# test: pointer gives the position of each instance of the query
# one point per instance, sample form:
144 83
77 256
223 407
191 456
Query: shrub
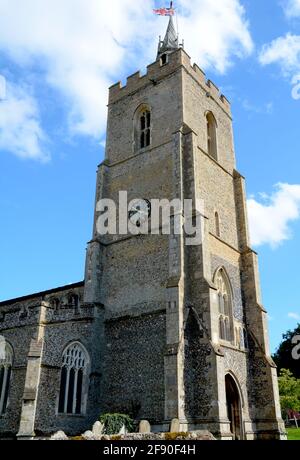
114 422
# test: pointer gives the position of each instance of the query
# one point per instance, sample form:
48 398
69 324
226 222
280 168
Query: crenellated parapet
61 304
158 70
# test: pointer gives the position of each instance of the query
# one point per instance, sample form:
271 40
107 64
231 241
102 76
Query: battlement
159 70
62 304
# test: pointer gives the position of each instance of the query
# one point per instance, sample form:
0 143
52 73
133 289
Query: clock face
139 212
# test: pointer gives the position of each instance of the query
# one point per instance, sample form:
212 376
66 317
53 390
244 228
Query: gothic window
224 306
145 127
217 224
211 135
74 380
6 361
142 128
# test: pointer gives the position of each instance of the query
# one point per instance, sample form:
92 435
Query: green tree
289 390
283 356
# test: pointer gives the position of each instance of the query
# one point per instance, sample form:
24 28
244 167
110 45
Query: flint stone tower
159 329
184 333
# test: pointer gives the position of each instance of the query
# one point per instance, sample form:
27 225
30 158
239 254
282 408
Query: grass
293 434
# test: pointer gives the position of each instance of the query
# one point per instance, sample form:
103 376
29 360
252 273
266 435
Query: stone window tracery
142 127
6 361
74 380
224 306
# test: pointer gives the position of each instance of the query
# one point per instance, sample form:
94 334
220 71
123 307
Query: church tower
183 332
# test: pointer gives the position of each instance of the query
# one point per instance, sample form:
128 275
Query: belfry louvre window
211 123
145 129
6 362
74 378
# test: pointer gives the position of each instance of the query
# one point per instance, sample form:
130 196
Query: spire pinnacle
170 42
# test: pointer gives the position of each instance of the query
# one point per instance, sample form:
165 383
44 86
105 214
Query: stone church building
158 329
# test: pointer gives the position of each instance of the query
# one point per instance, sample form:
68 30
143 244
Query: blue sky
57 60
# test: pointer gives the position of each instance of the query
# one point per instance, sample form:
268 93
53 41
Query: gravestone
59 436
98 428
175 426
144 426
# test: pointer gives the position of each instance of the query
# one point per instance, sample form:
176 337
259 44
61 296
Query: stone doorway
234 412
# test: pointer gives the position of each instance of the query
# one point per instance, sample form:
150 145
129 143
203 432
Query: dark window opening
62 393
145 123
164 59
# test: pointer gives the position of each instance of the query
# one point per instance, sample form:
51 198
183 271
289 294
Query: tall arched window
225 306
74 380
142 128
212 149
145 127
217 224
6 361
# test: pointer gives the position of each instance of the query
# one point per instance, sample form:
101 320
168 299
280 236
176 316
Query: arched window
74 380
224 306
73 300
55 303
164 59
217 224
6 361
212 149
142 128
145 127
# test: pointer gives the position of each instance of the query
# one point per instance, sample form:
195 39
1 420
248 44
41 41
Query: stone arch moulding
77 342
236 381
210 112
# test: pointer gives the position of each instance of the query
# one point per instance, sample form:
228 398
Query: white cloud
294 316
270 218
214 32
292 8
284 51
20 130
82 46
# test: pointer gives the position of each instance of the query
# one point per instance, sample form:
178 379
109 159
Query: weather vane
165 11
